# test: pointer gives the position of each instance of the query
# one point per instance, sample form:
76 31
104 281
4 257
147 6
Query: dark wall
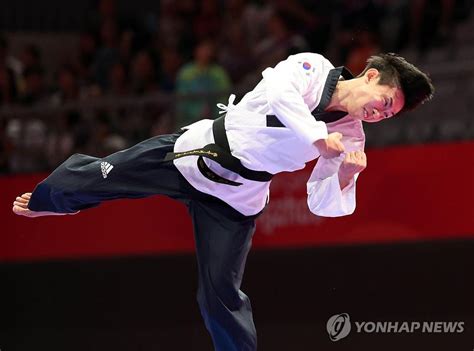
58 15
148 303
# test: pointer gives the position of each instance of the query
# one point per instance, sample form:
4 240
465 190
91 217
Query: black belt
219 152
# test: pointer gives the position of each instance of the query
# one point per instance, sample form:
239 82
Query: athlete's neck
341 95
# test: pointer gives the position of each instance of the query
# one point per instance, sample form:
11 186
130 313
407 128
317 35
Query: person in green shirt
199 85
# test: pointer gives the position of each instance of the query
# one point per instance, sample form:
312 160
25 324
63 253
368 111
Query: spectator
201 79
249 17
187 12
67 86
61 138
171 26
30 57
431 23
356 16
5 147
311 19
171 62
27 140
234 53
395 19
280 42
365 46
31 67
118 80
207 22
34 91
126 45
108 53
104 10
143 73
85 57
8 90
10 74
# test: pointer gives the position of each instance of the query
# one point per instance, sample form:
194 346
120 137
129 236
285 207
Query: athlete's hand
354 162
330 147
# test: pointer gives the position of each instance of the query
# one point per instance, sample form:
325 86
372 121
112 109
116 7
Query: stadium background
98 76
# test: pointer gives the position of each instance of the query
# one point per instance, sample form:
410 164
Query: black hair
396 71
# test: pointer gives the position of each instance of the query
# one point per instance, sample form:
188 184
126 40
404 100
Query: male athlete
302 109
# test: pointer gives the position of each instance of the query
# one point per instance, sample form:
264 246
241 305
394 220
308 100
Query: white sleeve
325 197
286 84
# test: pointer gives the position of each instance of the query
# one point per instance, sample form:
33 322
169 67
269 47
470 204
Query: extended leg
83 181
223 240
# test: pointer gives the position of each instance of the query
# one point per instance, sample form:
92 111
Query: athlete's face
373 102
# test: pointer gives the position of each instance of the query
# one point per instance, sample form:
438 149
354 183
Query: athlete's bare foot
20 207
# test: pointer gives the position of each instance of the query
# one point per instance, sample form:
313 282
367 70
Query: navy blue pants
223 235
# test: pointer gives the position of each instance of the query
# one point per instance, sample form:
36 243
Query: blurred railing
40 137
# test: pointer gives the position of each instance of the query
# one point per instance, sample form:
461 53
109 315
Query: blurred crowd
188 48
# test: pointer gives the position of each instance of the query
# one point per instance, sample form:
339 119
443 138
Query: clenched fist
330 147
354 162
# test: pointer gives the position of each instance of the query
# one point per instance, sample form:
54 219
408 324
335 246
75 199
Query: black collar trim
329 86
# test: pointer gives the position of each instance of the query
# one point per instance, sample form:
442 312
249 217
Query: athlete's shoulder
312 57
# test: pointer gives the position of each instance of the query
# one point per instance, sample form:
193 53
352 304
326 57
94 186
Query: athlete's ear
371 74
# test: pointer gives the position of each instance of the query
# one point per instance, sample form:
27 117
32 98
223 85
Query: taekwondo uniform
222 169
